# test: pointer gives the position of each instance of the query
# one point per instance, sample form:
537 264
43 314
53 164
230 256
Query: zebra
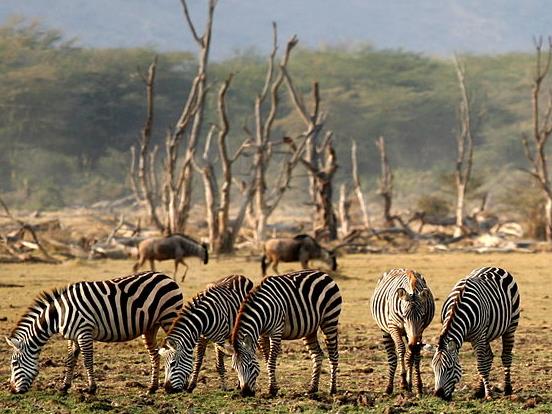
176 247
209 316
482 307
289 306
403 306
114 310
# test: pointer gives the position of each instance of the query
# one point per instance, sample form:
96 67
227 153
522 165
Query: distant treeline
69 114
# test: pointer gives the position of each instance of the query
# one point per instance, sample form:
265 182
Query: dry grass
122 369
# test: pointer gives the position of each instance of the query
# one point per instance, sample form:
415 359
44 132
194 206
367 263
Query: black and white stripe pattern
481 307
108 311
291 306
403 307
207 317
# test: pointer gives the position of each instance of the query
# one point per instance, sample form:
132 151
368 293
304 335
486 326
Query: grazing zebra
108 311
481 307
300 248
403 306
207 317
175 247
290 306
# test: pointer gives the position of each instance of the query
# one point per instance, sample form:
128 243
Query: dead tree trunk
464 141
358 189
535 147
385 183
344 211
146 175
263 203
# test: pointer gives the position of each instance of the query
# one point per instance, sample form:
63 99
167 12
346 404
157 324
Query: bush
433 205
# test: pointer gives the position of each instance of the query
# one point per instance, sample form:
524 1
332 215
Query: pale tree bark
344 211
357 187
265 113
535 146
464 141
385 183
145 186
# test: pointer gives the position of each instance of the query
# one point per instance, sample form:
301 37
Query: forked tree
464 142
534 143
173 185
385 189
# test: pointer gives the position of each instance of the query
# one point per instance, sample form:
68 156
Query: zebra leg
199 354
86 345
330 337
391 360
220 365
73 352
507 346
401 351
275 347
413 363
151 345
264 343
484 356
317 356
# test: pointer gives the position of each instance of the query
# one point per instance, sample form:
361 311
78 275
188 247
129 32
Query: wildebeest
300 248
174 247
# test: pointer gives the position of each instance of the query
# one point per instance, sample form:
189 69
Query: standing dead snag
358 189
175 186
535 147
217 199
385 183
146 192
464 140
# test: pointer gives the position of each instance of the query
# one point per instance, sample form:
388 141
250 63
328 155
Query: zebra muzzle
441 394
247 392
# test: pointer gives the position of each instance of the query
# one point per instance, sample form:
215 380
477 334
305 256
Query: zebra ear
425 293
14 343
170 344
403 294
451 346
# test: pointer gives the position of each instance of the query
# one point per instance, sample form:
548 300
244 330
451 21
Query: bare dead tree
265 111
344 211
217 198
175 186
385 183
464 142
145 191
535 146
357 187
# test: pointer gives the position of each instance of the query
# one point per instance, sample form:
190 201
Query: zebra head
447 369
24 366
178 365
414 310
244 361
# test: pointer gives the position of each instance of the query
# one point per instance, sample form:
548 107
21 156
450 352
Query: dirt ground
122 369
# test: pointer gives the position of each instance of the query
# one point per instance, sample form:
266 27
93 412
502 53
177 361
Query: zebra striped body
291 306
403 307
174 247
208 317
108 311
481 307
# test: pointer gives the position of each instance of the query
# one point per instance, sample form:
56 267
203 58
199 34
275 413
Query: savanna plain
122 368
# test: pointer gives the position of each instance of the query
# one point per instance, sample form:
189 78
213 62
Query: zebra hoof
508 390
273 391
479 393
65 388
389 390
191 387
152 390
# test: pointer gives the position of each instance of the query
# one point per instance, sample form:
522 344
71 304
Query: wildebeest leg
185 270
151 345
275 266
152 265
73 352
304 259
139 263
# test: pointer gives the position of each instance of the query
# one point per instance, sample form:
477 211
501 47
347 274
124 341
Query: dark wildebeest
175 247
301 248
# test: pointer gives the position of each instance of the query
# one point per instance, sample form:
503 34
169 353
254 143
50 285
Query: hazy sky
429 26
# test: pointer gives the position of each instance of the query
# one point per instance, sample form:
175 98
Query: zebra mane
451 313
243 307
41 301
